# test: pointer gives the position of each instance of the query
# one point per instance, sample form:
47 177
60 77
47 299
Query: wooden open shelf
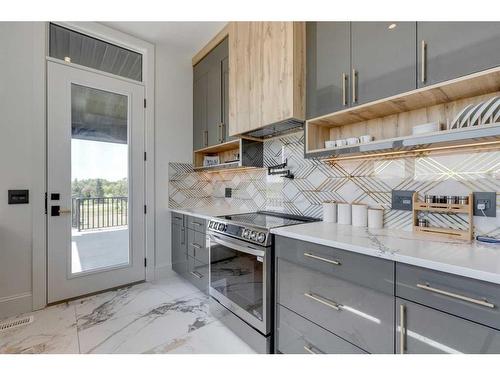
392 119
445 209
239 153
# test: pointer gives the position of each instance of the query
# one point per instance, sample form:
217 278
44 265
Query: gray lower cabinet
328 65
179 244
383 60
429 331
189 250
448 50
359 315
296 335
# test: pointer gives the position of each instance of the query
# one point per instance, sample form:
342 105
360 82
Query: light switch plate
228 192
402 200
489 199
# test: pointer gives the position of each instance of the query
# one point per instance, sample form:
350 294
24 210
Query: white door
95 182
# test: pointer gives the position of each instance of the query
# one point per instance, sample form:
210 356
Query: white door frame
108 34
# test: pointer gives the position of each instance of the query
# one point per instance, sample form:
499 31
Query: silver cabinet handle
205 135
195 245
195 223
331 261
323 300
223 132
457 296
311 349
344 88
183 239
354 96
402 326
423 47
196 274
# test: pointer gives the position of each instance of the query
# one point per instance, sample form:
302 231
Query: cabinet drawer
363 270
197 274
197 224
429 331
296 335
360 315
177 219
196 246
472 299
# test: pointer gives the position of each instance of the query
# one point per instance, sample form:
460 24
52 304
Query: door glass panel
99 179
239 277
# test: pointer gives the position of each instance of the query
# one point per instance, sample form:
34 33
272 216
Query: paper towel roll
375 218
359 215
344 213
330 212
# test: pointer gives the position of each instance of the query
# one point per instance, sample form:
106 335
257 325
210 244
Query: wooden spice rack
444 208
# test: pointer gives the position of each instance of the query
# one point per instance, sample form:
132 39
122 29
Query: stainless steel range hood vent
276 129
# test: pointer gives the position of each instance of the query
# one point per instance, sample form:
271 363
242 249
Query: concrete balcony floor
99 248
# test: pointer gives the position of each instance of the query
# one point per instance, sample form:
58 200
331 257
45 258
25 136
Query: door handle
423 47
57 211
402 329
354 95
344 89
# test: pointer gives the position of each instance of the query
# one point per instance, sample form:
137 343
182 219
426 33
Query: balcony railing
95 213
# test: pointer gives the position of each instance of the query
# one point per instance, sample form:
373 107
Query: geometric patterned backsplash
367 181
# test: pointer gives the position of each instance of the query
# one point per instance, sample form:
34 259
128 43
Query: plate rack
444 208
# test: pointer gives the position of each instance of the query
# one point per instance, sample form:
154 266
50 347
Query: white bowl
426 128
329 144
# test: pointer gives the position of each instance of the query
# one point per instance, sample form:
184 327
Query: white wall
173 134
21 142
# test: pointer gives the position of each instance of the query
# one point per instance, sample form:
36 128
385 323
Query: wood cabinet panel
266 74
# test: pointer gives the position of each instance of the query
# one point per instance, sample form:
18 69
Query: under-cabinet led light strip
496 144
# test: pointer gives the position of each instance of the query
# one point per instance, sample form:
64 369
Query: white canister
344 213
375 218
359 215
330 212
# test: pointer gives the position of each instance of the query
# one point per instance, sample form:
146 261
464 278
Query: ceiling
189 35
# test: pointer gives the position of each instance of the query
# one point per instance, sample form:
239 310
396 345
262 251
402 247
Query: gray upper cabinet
208 98
328 66
383 60
200 112
225 100
448 50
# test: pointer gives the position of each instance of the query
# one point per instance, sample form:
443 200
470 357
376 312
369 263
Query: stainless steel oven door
239 279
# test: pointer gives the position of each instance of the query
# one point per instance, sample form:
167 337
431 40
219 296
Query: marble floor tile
214 338
52 331
175 286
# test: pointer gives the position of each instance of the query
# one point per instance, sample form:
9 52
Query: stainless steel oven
240 279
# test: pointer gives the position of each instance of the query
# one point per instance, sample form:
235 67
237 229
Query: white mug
366 138
352 141
341 142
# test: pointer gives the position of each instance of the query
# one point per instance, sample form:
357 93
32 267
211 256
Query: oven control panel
245 233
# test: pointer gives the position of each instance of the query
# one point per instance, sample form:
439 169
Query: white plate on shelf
491 111
458 118
465 120
476 119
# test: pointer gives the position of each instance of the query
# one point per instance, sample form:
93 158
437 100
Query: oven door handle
233 245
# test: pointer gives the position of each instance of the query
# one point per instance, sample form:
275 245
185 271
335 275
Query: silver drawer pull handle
323 300
178 218
331 261
196 274
457 296
196 245
311 349
195 223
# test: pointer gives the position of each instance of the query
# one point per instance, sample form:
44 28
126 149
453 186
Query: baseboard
16 304
163 271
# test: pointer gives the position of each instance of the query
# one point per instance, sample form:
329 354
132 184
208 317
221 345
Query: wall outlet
228 193
485 204
402 200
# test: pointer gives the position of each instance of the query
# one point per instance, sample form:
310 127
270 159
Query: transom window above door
77 48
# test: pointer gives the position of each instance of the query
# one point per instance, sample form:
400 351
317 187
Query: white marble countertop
475 260
209 212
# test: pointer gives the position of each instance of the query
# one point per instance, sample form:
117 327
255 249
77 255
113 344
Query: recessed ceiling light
67 59
392 26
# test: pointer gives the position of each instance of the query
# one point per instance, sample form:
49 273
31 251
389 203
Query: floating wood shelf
238 153
390 121
444 208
